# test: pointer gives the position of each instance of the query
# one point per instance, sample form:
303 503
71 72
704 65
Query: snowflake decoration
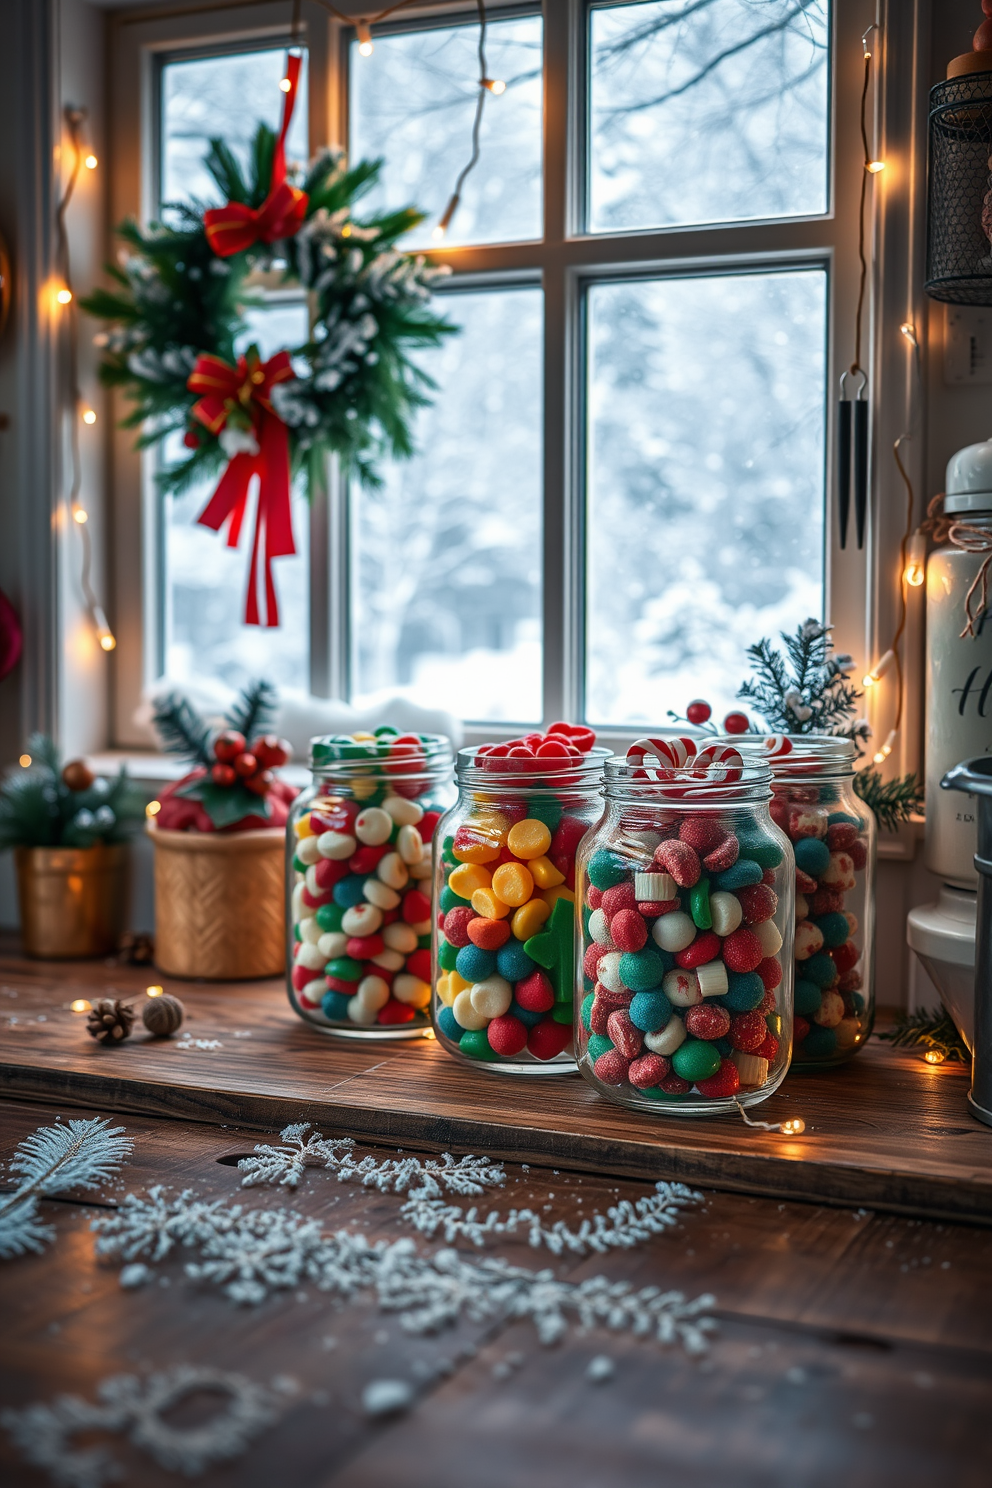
285 1166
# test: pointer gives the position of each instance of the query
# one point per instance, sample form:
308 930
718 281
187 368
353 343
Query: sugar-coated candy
513 962
606 869
455 926
742 950
628 930
809 940
673 932
535 993
839 872
723 856
621 896
594 953
705 947
831 1010
725 1082
748 1031
648 1070
639 971
758 903
680 861
492 997
599 927
745 991
548 1039
507 1035
745 871
611 1067
701 832
623 1033
666 1040
608 972
706 1021
650 1011
770 971
681 988
819 1042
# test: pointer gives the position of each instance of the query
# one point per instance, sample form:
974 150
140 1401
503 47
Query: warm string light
882 754
91 162
793 1128
89 416
80 1005
874 166
934 1056
915 571
153 808
878 671
24 761
154 991
64 296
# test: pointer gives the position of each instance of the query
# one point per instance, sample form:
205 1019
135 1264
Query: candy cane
777 745
717 762
671 754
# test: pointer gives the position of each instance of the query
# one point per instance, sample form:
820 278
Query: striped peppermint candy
777 745
718 762
671 754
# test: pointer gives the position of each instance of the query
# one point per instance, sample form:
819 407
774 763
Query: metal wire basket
959 206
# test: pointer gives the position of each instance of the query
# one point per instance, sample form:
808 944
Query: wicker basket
72 899
220 907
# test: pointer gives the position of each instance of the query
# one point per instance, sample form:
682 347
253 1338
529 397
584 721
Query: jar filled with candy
359 880
686 886
504 946
833 837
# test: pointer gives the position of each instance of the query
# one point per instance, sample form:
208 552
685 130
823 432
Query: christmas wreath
177 318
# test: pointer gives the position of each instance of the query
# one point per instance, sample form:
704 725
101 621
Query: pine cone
110 1020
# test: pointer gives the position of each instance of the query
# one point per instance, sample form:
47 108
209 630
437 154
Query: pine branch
54 1159
892 801
180 728
255 708
930 1028
805 691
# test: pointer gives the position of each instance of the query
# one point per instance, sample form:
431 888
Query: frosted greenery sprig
54 1159
422 1179
807 690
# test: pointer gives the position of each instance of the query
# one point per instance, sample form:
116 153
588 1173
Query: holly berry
245 764
271 751
228 745
699 711
736 723
222 774
191 439
77 775
259 783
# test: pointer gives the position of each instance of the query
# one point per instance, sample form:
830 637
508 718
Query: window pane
707 111
413 102
206 98
706 483
447 556
204 581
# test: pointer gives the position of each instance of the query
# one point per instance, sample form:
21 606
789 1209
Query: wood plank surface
886 1131
851 1346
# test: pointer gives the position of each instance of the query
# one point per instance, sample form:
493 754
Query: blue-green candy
527 1017
808 997
834 928
760 849
344 969
812 855
819 969
334 1005
513 962
547 809
449 1025
843 816
607 869
450 900
745 990
695 1060
744 872
447 955
819 1043
475 964
641 970
587 1003
350 891
650 1011
598 1045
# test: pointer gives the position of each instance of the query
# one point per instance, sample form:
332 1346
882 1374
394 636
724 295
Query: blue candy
350 891
650 1011
760 849
334 1005
745 990
644 969
449 1025
812 855
808 998
834 928
819 969
819 1043
529 1018
587 1003
744 872
512 962
475 964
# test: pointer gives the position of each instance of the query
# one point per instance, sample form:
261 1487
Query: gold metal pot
220 903
73 900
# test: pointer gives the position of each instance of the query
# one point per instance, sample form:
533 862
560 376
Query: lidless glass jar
359 882
504 899
686 943
832 833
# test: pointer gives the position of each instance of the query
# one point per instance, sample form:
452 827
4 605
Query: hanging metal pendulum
852 456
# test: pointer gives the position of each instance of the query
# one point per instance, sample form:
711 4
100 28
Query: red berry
705 947
228 745
244 763
271 751
625 1036
535 993
699 711
222 774
488 935
758 902
507 1035
628 930
723 856
395 1012
191 439
621 896
649 1070
611 1067
680 861
674 1084
736 723
705 1021
416 907
547 1039
769 969
726 1081
748 1032
456 923
702 832
260 783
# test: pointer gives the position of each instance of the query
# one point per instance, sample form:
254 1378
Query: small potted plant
219 836
69 830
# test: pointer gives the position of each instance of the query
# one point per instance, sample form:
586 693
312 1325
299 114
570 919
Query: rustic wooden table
854 1343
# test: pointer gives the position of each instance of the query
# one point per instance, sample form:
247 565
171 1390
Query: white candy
338 845
830 1011
371 995
403 812
608 972
301 911
361 919
313 993
712 979
839 872
334 943
307 850
599 928
393 871
400 937
654 888
673 932
389 960
681 987
424 868
667 1039
465 1013
422 927
379 894
752 1069
802 907
373 826
310 931
409 845
809 940
768 934
725 912
412 990
310 881
852 922
490 998
310 956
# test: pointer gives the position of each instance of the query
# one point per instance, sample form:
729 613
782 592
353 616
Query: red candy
367 859
705 947
680 861
594 897
704 1021
800 1028
616 899
535 993
726 1081
748 1032
507 1035
841 836
625 1036
364 947
428 824
567 836
701 832
769 1049
805 883
858 853
653 909
456 923
416 907
395 1012
328 872
548 1038
742 950
758 902
723 856
845 957
594 953
575 733
736 723
418 963
488 935
779 812
850 982
314 901
649 1070
674 1084
769 968
301 976
826 901
628 930
610 1067
767 1004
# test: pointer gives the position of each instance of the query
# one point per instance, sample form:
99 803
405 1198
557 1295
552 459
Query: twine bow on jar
970 539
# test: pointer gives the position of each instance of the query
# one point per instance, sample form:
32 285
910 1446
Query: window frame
860 594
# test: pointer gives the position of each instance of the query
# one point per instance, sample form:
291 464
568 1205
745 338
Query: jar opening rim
568 774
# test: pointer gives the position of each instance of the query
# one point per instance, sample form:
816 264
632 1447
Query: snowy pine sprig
807 690
422 1179
623 1226
54 1159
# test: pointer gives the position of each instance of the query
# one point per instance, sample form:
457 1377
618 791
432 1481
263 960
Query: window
623 479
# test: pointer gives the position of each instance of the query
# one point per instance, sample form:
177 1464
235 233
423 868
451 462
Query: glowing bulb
91 162
24 761
438 233
496 86
915 571
346 230
285 84
886 748
153 808
909 331
364 38
793 1128
154 991
80 515
80 1005
874 166
64 296
366 48
108 640
879 670
933 1056
445 221
89 417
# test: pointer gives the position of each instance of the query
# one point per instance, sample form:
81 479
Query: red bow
234 228
247 387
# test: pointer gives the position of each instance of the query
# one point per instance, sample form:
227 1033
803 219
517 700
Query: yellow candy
362 789
529 839
303 827
551 896
491 824
529 919
485 850
544 873
363 738
513 884
444 991
485 903
468 877
457 983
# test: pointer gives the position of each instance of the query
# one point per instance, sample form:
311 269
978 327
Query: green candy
424 942
553 947
762 850
587 1003
562 1012
475 1043
329 917
653 1093
695 1060
607 869
808 998
773 1022
641 970
447 955
547 809
450 900
300 867
834 929
819 969
819 1043
598 1045
699 905
345 968
385 731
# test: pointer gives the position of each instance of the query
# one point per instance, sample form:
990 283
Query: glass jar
686 941
833 834
358 868
504 886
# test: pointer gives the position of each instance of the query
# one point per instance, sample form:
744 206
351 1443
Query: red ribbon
247 387
234 228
